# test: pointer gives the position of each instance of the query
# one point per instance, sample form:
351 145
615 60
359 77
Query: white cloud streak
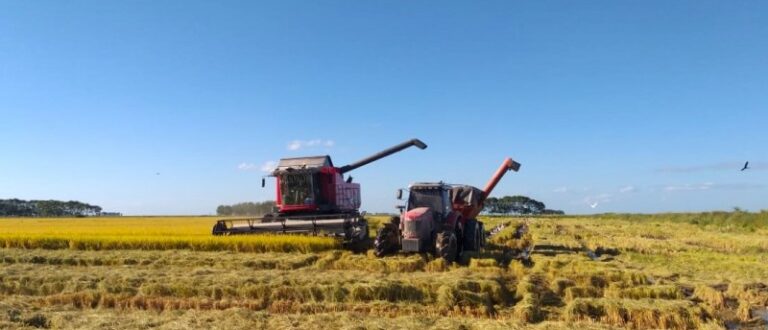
597 199
725 166
627 189
712 186
267 167
301 144
246 166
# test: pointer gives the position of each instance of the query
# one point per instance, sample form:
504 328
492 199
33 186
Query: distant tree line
521 205
247 208
47 208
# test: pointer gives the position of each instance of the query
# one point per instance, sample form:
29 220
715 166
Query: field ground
613 271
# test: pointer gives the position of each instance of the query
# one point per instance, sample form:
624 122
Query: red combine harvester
313 198
439 218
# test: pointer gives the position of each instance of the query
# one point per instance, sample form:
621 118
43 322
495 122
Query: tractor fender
453 221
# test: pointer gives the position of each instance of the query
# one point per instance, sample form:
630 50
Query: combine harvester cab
440 218
313 198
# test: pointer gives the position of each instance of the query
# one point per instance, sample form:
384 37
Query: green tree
246 209
518 204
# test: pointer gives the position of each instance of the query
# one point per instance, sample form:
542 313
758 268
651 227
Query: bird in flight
746 166
593 205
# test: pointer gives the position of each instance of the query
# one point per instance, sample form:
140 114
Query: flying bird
746 166
593 205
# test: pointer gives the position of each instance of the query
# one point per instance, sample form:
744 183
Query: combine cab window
297 189
431 198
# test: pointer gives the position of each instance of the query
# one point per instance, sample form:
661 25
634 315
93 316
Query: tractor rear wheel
447 246
386 241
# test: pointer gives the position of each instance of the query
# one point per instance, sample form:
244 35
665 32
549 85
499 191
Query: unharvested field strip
260 243
145 233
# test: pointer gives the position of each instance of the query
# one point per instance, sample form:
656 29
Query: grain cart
313 198
439 218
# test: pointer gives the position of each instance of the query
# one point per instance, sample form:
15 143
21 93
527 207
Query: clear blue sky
638 106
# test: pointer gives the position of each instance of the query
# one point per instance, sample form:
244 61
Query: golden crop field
603 272
144 233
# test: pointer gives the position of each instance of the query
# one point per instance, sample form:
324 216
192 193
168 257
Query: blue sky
638 106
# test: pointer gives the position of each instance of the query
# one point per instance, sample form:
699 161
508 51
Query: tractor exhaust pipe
413 142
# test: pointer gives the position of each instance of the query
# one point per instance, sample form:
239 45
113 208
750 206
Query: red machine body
313 197
471 208
321 189
441 218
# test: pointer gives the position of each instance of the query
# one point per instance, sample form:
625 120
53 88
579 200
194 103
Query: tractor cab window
431 198
297 189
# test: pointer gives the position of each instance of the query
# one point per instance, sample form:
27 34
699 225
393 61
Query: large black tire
359 240
481 232
387 241
219 229
269 217
447 246
395 221
474 235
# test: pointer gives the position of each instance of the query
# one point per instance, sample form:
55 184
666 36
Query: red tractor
313 198
439 218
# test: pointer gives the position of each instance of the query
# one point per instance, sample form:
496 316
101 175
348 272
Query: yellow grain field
144 233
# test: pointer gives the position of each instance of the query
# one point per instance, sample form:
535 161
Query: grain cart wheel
481 232
386 241
472 235
447 246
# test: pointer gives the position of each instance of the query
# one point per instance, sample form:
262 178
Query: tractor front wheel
386 241
447 246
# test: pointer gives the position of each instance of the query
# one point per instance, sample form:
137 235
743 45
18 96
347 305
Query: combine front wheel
357 237
219 228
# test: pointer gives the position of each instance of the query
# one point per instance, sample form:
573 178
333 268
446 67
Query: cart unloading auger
313 198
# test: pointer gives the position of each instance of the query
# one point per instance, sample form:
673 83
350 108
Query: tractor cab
434 196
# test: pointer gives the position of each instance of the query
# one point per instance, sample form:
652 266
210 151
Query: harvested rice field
675 271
